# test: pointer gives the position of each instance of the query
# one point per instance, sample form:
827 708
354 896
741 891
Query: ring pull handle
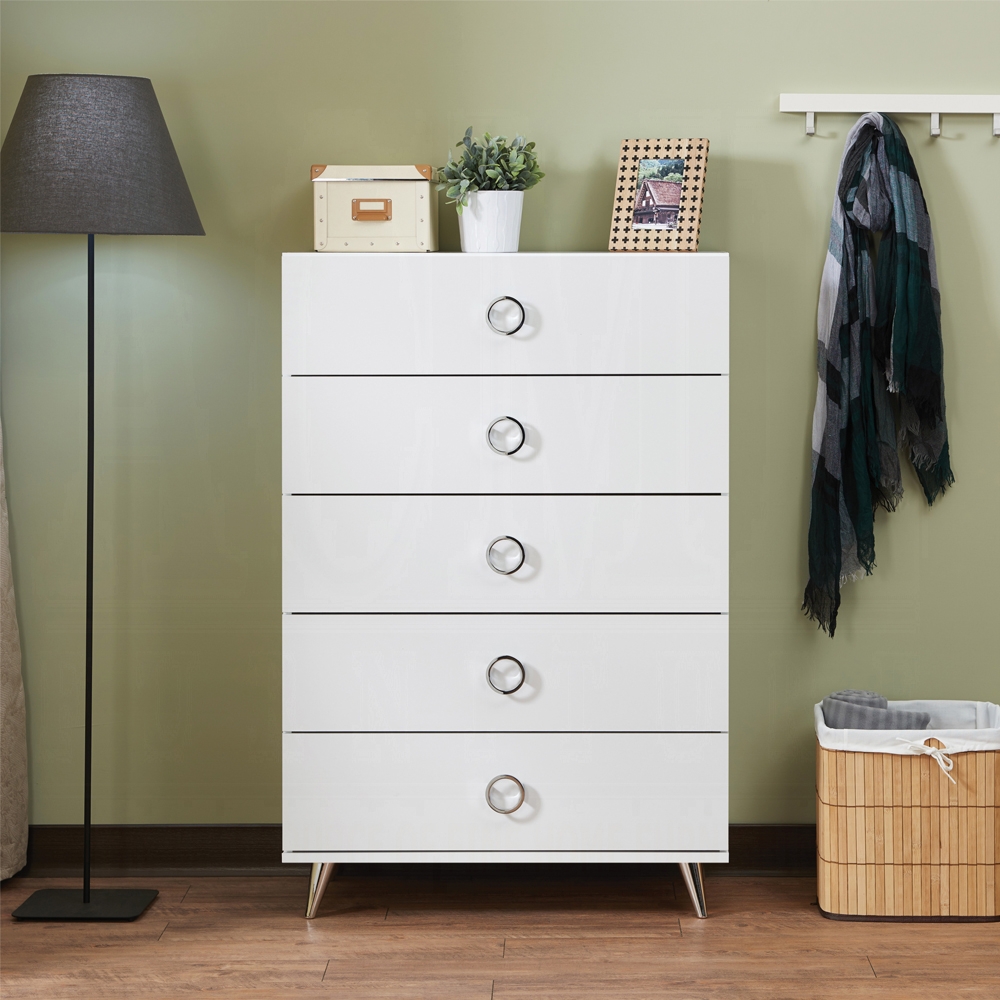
500 440
504 687
491 798
505 555
505 315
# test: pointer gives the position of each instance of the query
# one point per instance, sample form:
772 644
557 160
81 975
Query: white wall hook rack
933 105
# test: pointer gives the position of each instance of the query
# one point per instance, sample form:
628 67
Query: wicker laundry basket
897 840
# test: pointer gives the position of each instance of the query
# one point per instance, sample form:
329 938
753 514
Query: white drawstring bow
938 753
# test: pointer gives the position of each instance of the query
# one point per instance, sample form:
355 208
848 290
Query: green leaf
495 164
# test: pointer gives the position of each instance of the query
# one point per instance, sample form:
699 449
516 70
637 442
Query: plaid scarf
880 361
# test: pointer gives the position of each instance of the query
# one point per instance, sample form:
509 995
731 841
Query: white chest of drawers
555 618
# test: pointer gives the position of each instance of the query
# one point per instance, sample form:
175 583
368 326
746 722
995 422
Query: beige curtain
13 742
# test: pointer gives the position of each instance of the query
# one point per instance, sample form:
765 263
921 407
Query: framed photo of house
658 194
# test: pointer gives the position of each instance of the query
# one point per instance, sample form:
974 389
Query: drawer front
582 792
389 314
581 434
428 673
581 553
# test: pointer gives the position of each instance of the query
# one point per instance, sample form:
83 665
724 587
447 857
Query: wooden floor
491 933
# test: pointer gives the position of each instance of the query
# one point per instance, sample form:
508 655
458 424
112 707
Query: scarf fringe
821 606
858 574
887 496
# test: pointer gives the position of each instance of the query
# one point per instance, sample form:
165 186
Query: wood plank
412 949
842 834
955 788
825 843
524 931
916 890
878 834
868 822
932 964
823 869
569 956
108 975
380 984
893 818
595 917
652 987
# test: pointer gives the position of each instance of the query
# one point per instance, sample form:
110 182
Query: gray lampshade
92 154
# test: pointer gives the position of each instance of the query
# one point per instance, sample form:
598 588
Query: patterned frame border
685 237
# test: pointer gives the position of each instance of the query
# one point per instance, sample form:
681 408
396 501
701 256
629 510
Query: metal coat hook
933 105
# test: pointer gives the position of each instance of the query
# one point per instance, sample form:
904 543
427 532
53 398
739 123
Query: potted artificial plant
487 186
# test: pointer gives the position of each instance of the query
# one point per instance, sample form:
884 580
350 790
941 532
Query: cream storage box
359 209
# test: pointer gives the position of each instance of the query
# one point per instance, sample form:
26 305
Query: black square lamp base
68 904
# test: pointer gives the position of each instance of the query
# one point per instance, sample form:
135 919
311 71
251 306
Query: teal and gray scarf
880 361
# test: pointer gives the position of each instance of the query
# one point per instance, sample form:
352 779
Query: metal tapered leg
319 879
695 886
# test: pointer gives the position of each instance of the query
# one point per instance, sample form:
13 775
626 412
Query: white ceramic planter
491 222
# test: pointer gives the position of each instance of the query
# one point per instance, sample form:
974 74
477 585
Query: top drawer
597 314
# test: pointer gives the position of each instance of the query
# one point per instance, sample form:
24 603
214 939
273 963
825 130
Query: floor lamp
91 154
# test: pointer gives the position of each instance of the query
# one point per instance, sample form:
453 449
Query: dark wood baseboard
255 849
185 850
770 849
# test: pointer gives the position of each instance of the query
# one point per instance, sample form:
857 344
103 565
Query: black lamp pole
91 154
88 697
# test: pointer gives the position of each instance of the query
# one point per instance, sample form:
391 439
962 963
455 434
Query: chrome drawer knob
503 790
505 555
506 435
505 315
505 674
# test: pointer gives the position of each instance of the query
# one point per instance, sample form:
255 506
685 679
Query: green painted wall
188 539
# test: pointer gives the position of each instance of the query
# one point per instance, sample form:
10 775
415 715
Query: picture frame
658 195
